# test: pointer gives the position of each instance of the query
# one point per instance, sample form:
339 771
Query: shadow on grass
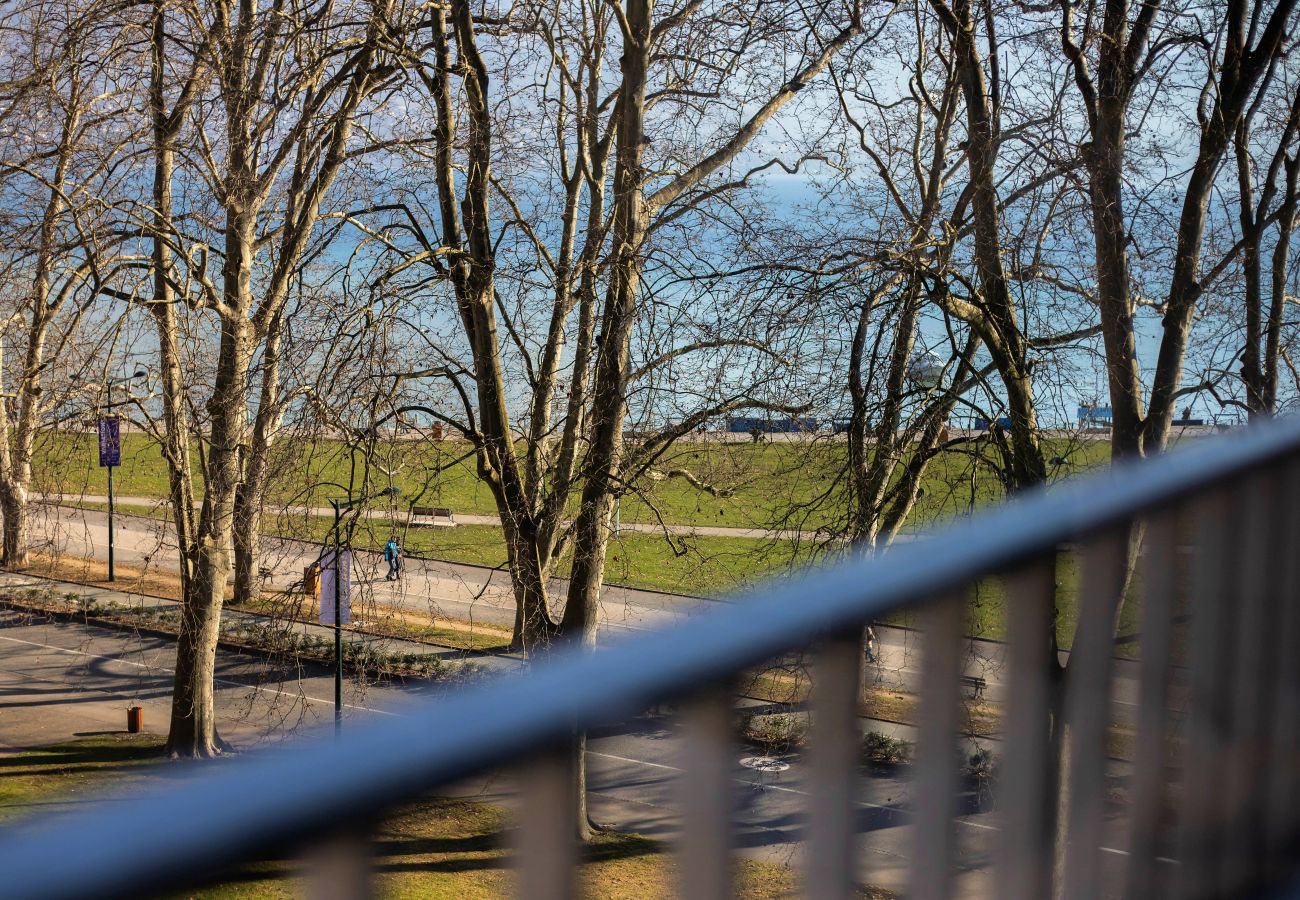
615 846
98 752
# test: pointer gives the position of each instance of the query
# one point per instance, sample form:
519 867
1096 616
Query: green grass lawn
432 848
765 478
786 484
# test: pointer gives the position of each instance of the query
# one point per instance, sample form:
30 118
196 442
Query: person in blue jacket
393 554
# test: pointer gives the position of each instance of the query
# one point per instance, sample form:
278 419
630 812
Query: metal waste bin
311 581
135 719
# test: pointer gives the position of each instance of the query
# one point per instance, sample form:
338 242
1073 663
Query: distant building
1096 416
763 425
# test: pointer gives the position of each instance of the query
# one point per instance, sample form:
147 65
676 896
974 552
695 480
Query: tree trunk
193 724
13 504
609 387
256 471
1105 161
248 547
193 731
1279 278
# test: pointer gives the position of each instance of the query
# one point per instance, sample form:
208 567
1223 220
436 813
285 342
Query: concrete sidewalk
465 518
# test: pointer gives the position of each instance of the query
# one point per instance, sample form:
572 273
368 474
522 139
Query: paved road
478 594
58 680
438 588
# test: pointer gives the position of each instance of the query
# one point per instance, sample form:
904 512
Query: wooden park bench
976 685
432 515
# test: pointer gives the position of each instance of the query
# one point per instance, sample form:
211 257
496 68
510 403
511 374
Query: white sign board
327 582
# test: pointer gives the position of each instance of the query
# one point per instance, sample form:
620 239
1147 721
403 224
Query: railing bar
1087 708
547 832
833 760
935 773
1023 873
1252 685
1282 814
1213 587
1159 587
339 869
706 795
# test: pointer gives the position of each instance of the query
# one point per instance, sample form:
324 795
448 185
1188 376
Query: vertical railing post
1159 587
339 869
706 796
935 787
1282 813
1087 708
1214 585
1252 679
1024 863
834 753
548 829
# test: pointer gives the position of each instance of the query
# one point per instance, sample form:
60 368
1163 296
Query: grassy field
765 479
779 483
433 848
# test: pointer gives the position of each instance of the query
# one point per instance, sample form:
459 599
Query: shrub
980 765
774 732
882 749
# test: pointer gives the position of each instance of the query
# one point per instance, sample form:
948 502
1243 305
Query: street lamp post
339 506
139 373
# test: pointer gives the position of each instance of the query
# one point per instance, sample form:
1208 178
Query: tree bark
193 723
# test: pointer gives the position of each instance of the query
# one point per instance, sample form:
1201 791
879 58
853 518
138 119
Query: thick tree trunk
1105 160
193 731
193 723
256 471
609 385
247 540
13 505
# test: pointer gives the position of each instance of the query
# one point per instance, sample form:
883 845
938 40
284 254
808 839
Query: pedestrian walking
393 554
871 645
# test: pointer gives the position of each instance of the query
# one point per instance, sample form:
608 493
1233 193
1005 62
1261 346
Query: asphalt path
477 519
59 679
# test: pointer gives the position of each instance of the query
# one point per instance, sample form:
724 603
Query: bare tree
58 174
284 88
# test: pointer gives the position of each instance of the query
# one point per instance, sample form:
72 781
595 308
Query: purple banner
327 574
110 441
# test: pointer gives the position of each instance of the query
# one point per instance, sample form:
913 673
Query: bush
774 732
980 766
884 750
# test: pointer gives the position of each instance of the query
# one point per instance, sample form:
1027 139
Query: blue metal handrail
175 834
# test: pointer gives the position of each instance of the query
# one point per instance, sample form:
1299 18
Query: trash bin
135 719
311 581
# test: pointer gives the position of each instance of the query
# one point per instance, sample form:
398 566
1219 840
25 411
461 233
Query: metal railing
1212 789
